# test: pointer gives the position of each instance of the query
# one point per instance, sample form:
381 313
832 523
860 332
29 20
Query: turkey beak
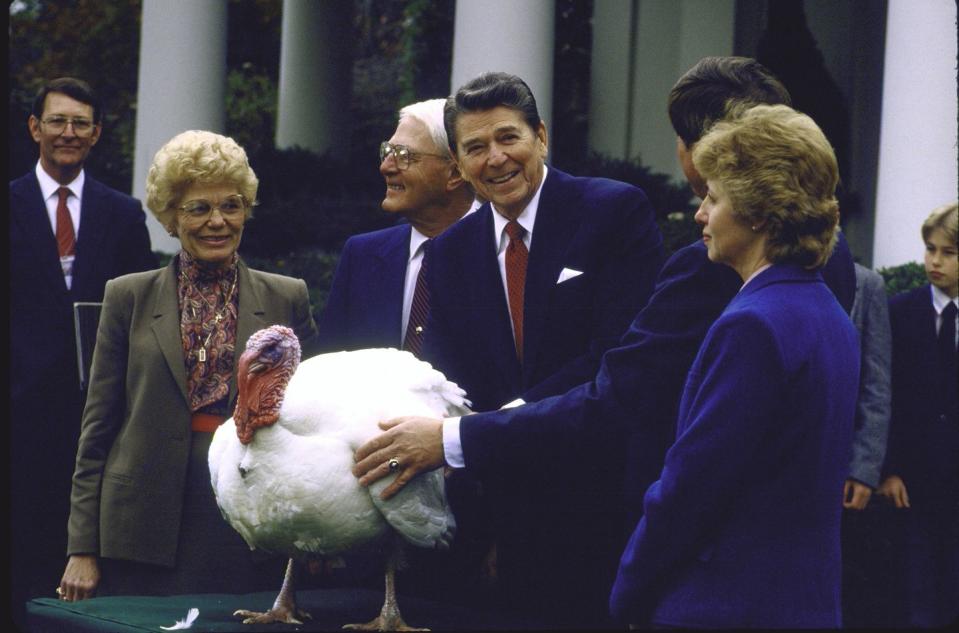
256 367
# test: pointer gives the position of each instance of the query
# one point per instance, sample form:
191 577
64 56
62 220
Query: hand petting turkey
409 446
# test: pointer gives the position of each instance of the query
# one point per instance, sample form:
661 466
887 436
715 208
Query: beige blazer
135 436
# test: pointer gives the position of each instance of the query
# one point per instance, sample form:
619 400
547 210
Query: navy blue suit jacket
603 228
44 381
113 241
618 426
923 436
742 528
365 305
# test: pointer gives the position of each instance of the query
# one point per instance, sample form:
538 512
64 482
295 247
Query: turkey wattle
282 475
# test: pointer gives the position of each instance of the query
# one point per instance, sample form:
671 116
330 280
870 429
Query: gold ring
59 591
393 464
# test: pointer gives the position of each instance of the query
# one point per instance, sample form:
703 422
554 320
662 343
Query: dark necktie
66 241
516 258
947 360
419 308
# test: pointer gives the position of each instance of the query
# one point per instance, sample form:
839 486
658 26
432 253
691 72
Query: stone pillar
611 77
509 36
315 75
640 48
917 145
182 84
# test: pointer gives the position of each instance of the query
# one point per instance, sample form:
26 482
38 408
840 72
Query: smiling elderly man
377 297
526 295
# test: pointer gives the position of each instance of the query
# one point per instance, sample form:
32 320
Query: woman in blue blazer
742 528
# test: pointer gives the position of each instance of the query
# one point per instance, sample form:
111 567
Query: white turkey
281 473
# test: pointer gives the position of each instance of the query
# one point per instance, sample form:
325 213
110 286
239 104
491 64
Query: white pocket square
568 273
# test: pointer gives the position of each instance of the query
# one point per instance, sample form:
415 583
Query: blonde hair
781 173
192 157
946 218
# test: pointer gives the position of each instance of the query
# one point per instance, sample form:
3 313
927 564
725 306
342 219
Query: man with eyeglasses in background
374 301
69 235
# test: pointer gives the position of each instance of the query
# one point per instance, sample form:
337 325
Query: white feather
185 623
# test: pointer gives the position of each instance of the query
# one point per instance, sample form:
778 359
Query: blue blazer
923 438
365 305
616 427
604 228
742 528
112 241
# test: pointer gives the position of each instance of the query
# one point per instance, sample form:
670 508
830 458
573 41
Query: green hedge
904 277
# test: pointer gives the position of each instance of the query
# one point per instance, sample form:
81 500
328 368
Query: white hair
430 114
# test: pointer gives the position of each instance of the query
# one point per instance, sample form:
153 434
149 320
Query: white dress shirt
48 188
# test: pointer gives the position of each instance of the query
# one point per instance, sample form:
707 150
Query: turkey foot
283 615
284 607
389 618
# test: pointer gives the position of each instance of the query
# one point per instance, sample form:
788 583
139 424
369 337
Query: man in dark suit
589 254
69 234
591 251
372 295
626 414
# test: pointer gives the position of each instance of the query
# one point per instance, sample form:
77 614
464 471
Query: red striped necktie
516 257
66 240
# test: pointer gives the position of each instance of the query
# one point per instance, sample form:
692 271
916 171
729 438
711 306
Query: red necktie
65 237
516 256
419 308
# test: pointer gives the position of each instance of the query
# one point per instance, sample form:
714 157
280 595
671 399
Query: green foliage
251 99
95 41
314 266
904 277
426 46
672 203
311 201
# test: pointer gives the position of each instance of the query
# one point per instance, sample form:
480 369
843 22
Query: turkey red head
263 371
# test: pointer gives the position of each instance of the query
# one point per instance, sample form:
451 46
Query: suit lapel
388 281
92 229
925 318
489 286
31 216
554 228
166 327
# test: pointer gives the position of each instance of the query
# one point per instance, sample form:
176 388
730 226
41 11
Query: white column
315 75
182 83
671 37
611 77
917 145
508 36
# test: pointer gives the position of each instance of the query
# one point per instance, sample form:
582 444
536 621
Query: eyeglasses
58 124
403 154
230 207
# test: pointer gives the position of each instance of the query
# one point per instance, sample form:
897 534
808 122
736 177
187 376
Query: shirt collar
526 219
417 240
49 186
940 299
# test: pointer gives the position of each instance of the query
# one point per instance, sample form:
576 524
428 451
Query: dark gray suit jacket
870 315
